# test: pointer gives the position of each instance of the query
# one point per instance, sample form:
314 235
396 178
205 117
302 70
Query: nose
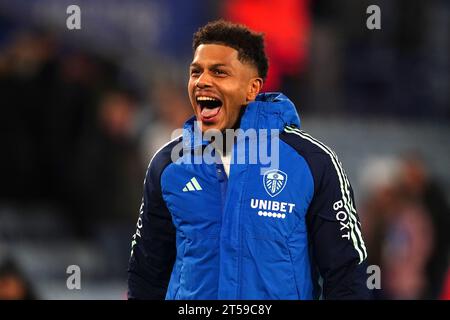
203 81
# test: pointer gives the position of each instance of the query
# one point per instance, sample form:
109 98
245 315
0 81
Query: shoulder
307 146
322 160
161 159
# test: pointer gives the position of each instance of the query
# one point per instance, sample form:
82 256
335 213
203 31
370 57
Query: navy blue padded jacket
291 232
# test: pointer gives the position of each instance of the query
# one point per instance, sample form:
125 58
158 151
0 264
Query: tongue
209 113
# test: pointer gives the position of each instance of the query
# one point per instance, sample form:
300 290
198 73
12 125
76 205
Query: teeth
206 99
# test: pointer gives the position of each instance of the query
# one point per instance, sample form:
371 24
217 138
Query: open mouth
209 107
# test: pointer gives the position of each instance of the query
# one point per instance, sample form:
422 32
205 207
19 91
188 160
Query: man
226 231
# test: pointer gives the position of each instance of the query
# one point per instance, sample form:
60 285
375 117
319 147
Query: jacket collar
272 110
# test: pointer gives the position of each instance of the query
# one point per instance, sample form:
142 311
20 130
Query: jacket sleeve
153 245
336 243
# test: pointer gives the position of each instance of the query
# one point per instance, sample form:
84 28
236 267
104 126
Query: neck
229 140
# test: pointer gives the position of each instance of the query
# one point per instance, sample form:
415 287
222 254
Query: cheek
237 94
239 99
189 87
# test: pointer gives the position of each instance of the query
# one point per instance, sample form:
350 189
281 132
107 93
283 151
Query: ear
254 87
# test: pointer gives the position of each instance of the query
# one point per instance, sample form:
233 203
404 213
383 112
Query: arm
153 246
337 247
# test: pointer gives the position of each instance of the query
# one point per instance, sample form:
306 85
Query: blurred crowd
405 220
79 125
74 133
68 131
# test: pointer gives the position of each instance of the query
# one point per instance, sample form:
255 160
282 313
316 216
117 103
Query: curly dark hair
249 44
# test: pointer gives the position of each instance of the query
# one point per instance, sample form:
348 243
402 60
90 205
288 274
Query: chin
206 127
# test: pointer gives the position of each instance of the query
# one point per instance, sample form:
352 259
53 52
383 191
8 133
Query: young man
221 231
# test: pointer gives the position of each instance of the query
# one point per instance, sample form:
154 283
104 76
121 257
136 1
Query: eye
219 72
195 72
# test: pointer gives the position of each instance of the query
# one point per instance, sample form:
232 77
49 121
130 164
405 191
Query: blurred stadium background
82 112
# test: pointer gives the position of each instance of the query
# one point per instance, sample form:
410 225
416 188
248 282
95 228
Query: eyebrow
194 64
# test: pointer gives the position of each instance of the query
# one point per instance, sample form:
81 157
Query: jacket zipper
223 183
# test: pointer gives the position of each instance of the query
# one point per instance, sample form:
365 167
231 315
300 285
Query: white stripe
157 151
345 178
347 187
347 184
196 184
348 204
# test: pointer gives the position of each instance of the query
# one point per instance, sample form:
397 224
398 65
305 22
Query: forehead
208 54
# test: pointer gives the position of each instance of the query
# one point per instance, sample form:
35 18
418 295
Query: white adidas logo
192 185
